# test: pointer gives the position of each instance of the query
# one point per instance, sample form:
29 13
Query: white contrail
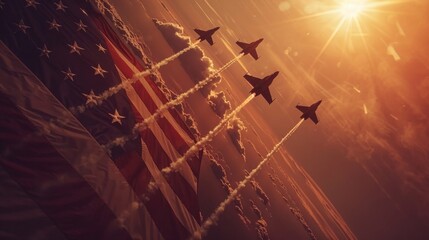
120 141
143 125
213 218
169 59
175 166
128 82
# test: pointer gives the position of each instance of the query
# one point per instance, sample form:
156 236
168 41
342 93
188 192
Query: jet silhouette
250 48
206 35
260 86
309 112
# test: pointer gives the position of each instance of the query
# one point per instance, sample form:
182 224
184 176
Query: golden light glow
348 13
351 10
351 21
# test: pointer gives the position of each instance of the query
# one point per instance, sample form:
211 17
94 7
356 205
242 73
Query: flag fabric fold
56 55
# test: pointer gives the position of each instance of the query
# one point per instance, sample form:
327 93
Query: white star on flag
54 25
101 48
99 70
75 48
31 3
91 98
60 6
116 117
81 26
45 51
21 25
68 74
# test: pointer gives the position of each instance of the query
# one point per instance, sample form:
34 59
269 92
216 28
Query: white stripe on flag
154 97
169 149
178 208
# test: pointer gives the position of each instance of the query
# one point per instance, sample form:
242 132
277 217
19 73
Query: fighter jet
250 48
260 86
206 35
309 112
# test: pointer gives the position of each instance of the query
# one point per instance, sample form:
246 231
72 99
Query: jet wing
303 109
267 95
210 40
242 45
313 117
254 54
199 32
252 80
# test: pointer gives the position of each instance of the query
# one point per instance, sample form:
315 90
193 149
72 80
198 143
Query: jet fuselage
311 110
207 34
252 46
264 84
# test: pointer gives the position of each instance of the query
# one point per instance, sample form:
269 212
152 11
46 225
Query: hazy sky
369 152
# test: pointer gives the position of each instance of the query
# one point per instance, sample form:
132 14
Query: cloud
260 192
275 180
218 102
261 227
253 145
220 173
191 123
255 209
234 128
195 62
261 224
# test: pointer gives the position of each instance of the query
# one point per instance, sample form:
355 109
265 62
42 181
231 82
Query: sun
351 10
348 13
350 19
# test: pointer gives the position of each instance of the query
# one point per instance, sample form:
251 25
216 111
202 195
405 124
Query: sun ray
368 53
328 42
347 38
324 13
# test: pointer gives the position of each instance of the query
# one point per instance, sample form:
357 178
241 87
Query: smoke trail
203 141
128 82
174 166
120 141
169 59
214 217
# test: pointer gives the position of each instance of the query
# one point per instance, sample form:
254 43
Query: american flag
56 179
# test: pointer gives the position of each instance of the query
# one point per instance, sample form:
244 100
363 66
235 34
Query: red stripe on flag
136 173
158 207
179 185
178 142
169 226
134 170
109 33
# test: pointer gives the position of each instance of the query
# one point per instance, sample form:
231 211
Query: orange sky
368 153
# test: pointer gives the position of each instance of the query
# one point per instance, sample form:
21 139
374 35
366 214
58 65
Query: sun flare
351 10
